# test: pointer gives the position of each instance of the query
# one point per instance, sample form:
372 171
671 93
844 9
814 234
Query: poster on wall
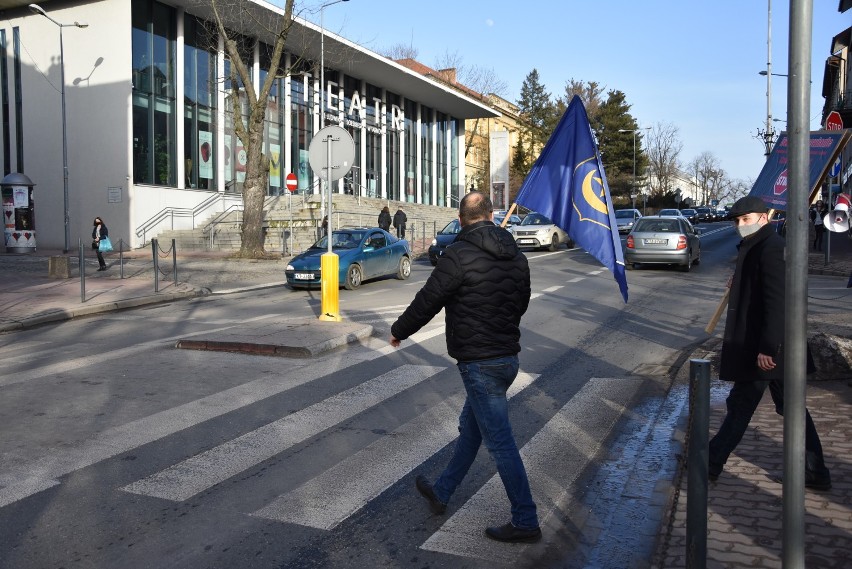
229 174
20 197
303 171
241 163
205 154
275 165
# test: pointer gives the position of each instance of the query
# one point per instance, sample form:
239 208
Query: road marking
328 499
576 279
597 272
554 458
553 288
202 471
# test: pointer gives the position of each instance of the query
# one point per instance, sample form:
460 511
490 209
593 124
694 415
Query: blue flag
567 184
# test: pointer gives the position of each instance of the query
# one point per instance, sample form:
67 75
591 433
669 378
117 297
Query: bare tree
484 80
591 93
664 148
249 106
710 177
400 51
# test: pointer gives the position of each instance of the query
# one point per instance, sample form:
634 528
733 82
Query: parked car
689 214
704 215
364 253
538 231
625 218
444 237
663 240
721 214
672 211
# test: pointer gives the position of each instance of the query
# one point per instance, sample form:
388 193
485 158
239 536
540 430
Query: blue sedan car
363 254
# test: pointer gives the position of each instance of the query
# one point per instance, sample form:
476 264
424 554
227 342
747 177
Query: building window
199 107
410 150
273 132
154 32
441 158
425 154
302 124
392 147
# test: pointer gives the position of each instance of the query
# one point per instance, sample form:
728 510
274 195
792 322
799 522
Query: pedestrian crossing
554 457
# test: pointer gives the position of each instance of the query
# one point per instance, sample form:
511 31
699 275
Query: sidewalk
745 509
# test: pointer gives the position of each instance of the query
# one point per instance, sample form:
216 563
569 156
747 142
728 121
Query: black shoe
511 534
815 482
714 471
425 489
102 269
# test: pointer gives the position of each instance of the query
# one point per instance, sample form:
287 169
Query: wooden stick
718 314
508 215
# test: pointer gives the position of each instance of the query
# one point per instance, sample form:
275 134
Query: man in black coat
399 221
752 348
483 282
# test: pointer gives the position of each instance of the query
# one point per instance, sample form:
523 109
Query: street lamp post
322 102
35 8
633 188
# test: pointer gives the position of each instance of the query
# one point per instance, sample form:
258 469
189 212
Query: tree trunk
254 195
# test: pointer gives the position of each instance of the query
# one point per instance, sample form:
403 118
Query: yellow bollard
330 281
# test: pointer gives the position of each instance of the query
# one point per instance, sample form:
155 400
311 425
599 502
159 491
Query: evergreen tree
537 118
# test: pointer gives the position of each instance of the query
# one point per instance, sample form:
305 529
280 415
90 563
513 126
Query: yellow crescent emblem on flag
589 192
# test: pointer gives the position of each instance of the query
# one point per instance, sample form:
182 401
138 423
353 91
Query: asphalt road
119 450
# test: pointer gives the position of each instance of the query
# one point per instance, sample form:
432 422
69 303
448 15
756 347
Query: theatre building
148 134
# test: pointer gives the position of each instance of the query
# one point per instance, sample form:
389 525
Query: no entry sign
292 182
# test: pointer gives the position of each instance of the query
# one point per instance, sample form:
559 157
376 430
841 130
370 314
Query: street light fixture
322 104
633 188
36 9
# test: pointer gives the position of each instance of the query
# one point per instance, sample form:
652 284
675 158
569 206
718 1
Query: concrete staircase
293 223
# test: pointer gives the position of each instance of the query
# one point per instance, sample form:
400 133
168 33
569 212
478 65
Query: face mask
746 230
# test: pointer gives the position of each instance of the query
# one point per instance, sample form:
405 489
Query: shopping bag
105 246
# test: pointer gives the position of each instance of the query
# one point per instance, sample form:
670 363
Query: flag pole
508 214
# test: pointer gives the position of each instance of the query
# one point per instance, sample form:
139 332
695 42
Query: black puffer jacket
483 282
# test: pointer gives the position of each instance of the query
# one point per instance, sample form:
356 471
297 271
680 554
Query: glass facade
199 135
404 151
154 144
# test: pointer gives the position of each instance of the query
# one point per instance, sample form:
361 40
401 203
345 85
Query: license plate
304 276
526 241
655 241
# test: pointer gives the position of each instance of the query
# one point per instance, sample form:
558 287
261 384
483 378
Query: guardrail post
81 263
697 464
174 260
154 247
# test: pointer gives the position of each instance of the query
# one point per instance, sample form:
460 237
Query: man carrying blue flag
567 184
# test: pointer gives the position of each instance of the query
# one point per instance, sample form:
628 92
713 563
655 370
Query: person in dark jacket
99 231
385 218
399 221
482 281
752 348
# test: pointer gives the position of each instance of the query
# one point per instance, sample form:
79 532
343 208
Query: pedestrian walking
818 216
482 282
100 233
385 218
324 226
399 221
752 348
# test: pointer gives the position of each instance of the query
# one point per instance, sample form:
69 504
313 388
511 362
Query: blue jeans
741 403
485 418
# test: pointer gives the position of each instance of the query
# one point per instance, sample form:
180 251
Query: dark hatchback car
444 237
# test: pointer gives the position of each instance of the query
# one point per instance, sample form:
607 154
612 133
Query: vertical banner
499 168
304 170
275 165
205 154
241 162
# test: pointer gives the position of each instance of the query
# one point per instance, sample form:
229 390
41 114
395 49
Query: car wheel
554 242
404 270
635 265
697 257
629 266
354 276
688 266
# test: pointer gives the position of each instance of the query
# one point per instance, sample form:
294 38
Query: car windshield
536 219
624 213
341 240
452 228
664 225
669 212
688 211
513 219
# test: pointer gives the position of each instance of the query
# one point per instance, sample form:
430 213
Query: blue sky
692 64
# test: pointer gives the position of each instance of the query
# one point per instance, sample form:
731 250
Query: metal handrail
172 212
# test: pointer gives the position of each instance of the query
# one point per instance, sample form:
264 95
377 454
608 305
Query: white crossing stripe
599 271
553 288
554 458
202 471
576 279
328 499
